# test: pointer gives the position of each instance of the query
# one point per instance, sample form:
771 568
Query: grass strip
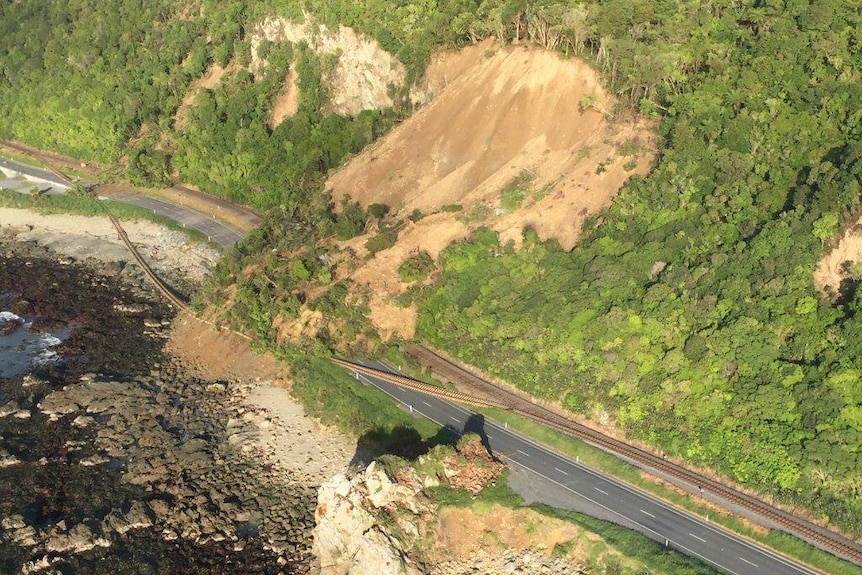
611 465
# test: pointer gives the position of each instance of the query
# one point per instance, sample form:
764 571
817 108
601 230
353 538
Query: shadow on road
402 441
476 424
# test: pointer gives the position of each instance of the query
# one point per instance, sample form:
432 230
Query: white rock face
363 74
348 540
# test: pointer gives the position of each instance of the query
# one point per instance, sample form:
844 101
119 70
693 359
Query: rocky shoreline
120 457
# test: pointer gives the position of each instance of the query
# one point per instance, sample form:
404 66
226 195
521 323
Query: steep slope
506 137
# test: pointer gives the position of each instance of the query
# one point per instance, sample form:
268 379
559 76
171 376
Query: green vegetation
614 466
384 239
687 314
634 546
331 395
513 193
416 268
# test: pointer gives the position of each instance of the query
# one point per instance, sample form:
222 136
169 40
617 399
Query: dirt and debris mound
511 138
838 272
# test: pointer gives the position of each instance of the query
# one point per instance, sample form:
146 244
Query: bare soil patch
207 81
462 533
496 114
836 266
220 354
287 102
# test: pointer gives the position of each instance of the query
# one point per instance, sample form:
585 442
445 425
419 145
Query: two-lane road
215 230
42 178
630 507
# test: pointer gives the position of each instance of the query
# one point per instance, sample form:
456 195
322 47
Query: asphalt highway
216 231
632 508
32 173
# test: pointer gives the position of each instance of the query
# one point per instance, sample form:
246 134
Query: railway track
160 285
148 271
416 385
496 396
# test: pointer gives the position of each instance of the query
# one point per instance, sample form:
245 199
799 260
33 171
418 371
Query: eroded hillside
512 138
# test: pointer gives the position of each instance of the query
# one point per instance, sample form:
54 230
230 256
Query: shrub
384 240
378 210
416 267
512 194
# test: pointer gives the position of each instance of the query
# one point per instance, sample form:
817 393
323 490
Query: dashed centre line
560 470
649 514
522 453
698 538
601 491
749 562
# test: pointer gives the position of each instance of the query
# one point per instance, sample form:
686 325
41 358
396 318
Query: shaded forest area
687 314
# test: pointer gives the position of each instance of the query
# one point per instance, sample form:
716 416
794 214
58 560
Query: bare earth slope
498 112
495 114
838 265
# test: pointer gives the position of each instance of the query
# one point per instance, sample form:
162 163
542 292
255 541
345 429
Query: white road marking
600 490
455 419
749 562
522 453
560 470
428 404
698 538
647 513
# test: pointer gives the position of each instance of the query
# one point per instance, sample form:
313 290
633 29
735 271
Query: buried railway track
495 396
148 271
161 286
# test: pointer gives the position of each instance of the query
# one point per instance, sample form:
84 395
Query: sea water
23 349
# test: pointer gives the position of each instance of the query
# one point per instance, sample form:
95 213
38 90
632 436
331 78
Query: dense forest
687 313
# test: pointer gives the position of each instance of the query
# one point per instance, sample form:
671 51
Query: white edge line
614 512
719 530
690 551
711 526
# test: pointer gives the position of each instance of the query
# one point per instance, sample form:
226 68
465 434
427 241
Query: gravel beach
151 444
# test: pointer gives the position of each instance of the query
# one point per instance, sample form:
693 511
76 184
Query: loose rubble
120 450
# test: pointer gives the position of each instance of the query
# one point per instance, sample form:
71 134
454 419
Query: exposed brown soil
219 355
287 102
497 114
463 532
836 266
208 81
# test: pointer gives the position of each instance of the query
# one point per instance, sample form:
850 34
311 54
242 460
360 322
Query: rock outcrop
385 521
363 75
349 538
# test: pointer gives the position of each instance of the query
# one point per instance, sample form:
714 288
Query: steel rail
500 397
